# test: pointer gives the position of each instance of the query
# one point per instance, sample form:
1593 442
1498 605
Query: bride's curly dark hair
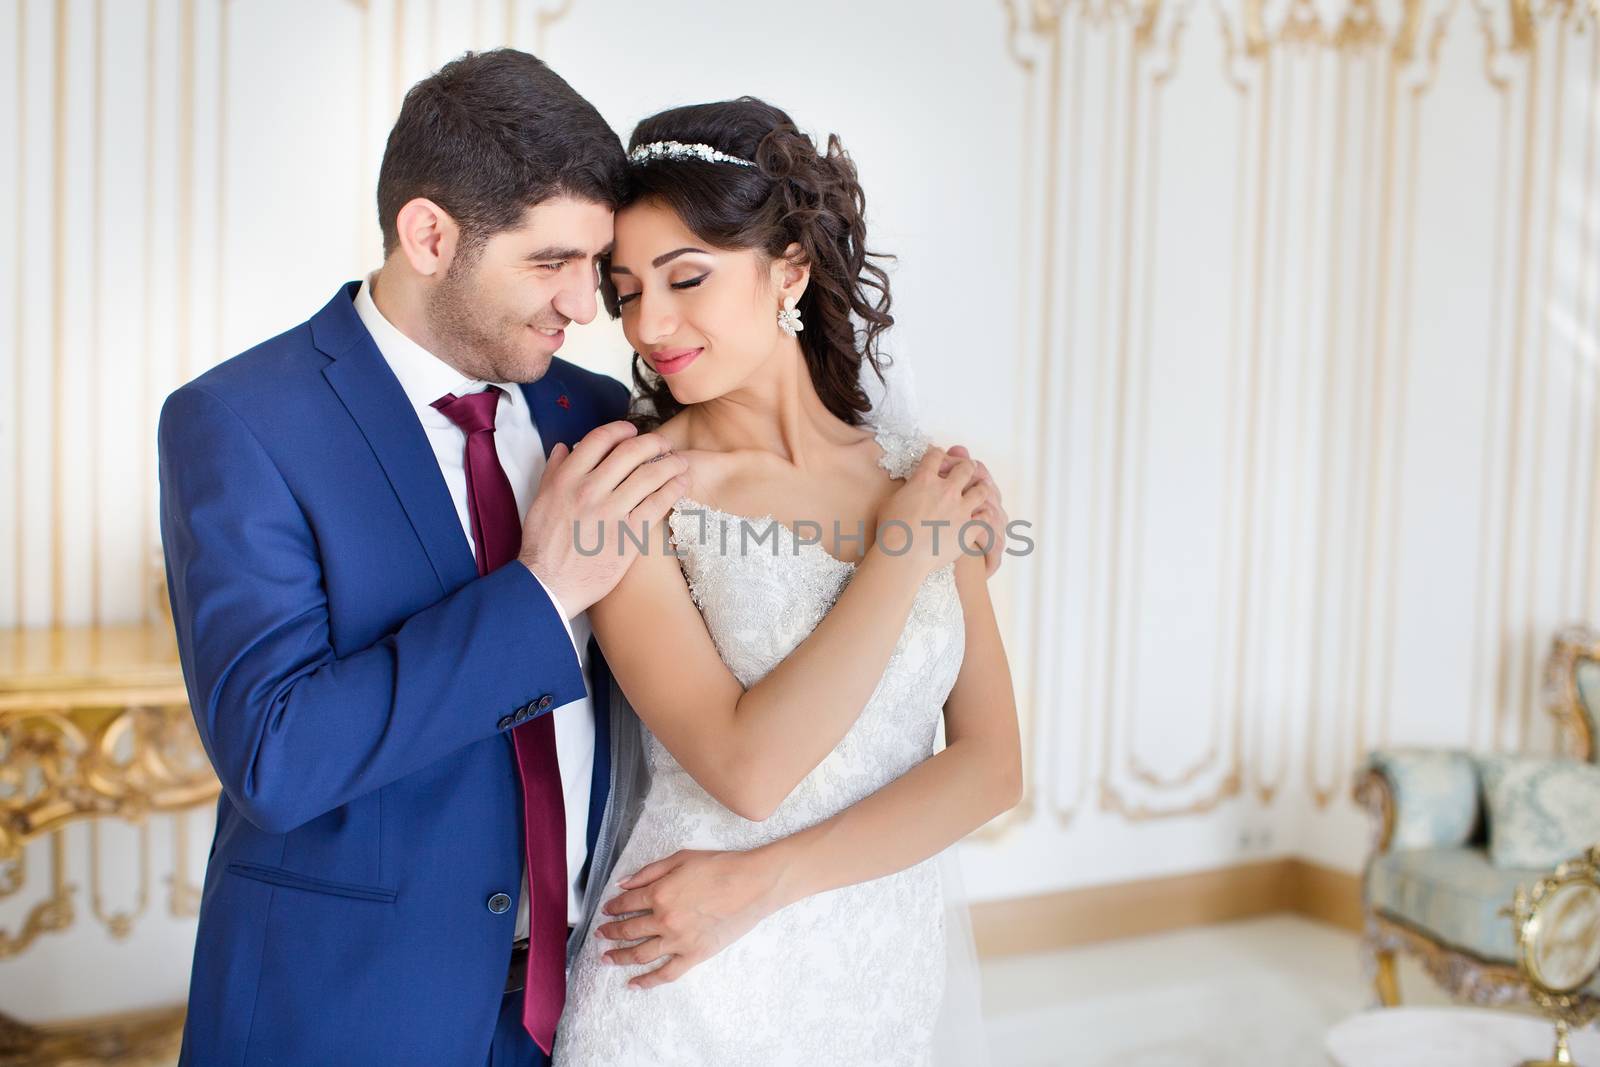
793 195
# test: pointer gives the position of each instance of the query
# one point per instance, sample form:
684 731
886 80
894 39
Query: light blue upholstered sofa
1428 888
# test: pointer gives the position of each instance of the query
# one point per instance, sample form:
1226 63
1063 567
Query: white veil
958 1039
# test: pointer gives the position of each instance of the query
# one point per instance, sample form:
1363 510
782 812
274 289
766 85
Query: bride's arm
750 748
700 902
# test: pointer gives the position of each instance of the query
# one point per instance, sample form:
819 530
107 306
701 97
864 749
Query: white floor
1258 991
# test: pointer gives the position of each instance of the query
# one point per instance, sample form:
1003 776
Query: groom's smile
502 309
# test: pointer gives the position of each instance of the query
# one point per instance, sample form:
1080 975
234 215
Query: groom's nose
576 302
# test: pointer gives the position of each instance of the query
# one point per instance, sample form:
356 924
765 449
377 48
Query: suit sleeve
292 730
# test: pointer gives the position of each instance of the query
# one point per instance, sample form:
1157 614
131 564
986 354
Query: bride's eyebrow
664 258
668 257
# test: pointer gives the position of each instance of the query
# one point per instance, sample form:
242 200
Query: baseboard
1150 906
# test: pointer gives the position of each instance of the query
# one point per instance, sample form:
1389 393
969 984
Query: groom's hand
615 477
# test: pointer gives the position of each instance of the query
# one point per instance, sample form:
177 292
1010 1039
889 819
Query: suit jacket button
506 723
544 702
522 715
499 903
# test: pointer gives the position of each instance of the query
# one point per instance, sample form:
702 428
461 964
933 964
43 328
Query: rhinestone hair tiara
678 150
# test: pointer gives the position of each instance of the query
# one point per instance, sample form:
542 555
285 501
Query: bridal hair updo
793 195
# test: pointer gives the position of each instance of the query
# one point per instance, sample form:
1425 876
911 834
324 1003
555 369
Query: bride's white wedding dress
850 976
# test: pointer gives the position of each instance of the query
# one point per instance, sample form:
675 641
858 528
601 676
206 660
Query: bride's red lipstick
673 360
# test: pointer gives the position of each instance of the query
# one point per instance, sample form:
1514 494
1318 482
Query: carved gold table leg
1387 979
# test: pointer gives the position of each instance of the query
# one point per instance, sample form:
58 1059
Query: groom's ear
427 236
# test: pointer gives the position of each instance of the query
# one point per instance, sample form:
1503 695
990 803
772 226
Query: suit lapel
556 414
554 410
379 406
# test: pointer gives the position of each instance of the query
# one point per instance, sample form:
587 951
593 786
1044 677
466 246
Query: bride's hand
991 541
694 905
922 520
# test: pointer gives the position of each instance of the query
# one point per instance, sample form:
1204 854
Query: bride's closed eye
689 284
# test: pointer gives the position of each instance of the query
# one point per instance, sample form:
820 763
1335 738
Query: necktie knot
474 412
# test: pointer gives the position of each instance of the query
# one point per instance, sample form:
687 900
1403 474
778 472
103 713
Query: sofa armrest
1419 798
1571 684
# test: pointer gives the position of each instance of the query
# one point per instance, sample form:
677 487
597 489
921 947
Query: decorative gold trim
1386 669
219 250
51 915
135 1039
147 350
365 209
1464 975
1528 917
1578 583
119 924
1534 551
185 235
58 316
1266 791
397 53
1323 796
1375 451
96 355
19 315
1039 664
1505 698
183 900
13 873
63 766
1144 39
1374 793
1044 20
1561 696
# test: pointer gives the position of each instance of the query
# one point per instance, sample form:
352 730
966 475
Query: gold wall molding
179 263
1377 72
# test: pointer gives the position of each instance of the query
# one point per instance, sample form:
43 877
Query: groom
368 524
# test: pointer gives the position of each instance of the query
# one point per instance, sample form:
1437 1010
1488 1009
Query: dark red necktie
497 538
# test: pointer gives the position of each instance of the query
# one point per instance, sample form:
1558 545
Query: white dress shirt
425 378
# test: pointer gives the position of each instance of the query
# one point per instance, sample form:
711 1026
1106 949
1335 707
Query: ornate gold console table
94 722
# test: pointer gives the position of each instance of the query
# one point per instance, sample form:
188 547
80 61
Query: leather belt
517 971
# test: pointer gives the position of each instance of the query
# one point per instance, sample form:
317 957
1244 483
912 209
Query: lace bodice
849 976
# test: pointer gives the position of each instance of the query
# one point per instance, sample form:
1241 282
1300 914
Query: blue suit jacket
354 681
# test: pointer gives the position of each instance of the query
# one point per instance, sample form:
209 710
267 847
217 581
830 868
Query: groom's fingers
597 444
630 457
648 478
558 456
651 514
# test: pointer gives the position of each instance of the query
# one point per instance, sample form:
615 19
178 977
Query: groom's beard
475 340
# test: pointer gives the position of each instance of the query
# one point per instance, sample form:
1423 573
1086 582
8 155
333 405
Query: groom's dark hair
489 135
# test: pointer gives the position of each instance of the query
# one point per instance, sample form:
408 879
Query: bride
793 640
